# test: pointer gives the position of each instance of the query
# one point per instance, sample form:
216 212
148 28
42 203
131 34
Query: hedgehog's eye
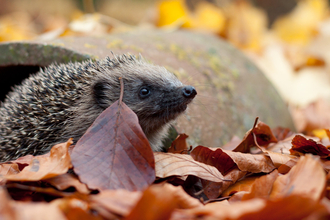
144 92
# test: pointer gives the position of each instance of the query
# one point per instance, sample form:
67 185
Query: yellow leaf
207 17
246 25
170 11
320 133
300 25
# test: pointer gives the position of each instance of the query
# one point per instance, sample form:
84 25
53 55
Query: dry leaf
6 209
67 180
283 208
159 201
44 167
259 135
278 159
243 185
214 157
264 134
302 145
285 168
114 152
262 186
179 145
74 208
118 202
307 178
8 169
252 163
168 164
213 190
245 162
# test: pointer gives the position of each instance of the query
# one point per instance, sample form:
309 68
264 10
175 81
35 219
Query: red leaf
114 152
302 145
217 158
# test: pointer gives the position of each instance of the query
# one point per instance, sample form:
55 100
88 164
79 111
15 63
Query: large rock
232 91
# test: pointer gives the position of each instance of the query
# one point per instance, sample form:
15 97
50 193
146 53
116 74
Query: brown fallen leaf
285 168
282 147
248 140
159 201
8 169
259 135
74 208
262 186
214 157
11 209
214 189
302 145
114 152
287 208
278 159
168 164
44 167
243 185
179 145
67 180
252 163
118 202
307 178
6 209
225 160
264 134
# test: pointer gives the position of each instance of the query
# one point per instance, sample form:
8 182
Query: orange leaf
307 178
287 208
118 202
44 167
262 187
179 145
114 152
159 201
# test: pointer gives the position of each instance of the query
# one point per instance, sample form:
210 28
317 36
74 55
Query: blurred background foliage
288 39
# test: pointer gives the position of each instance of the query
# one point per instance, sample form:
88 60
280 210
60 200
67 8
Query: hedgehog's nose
189 92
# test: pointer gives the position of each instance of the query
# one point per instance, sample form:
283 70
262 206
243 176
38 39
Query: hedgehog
61 101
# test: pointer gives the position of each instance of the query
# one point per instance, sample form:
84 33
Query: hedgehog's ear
101 92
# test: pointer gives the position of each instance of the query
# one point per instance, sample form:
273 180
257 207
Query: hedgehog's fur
62 101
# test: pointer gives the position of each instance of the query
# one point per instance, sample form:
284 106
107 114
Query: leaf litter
203 183
269 174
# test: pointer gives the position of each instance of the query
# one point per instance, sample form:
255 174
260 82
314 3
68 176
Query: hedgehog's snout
189 92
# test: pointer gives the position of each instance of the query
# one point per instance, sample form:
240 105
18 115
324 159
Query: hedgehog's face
153 93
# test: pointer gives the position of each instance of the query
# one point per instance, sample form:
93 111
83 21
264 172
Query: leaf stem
121 90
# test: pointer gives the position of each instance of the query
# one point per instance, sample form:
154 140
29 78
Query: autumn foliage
112 173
